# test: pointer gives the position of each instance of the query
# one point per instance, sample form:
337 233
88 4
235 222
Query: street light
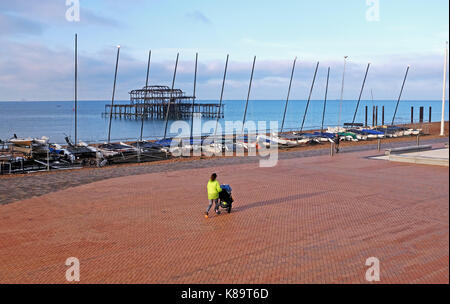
342 93
443 91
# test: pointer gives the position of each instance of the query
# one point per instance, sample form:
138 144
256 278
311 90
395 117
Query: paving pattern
17 188
307 220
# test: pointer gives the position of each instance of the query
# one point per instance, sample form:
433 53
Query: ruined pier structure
151 102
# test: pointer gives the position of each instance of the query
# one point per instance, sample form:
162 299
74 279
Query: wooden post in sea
382 116
143 110
248 95
429 115
113 94
288 95
412 115
171 94
309 98
373 116
367 112
376 116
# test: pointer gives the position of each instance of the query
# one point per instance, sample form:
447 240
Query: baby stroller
225 198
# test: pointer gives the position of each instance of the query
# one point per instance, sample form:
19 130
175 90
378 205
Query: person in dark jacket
337 142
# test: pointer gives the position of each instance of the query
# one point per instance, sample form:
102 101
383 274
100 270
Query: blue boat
325 135
372 132
164 142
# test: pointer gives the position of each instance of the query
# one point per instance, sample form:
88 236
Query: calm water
55 119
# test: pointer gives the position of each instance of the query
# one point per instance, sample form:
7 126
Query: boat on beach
29 141
373 133
115 149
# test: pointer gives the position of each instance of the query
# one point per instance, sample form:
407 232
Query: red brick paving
308 220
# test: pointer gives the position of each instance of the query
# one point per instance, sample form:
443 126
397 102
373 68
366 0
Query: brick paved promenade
308 220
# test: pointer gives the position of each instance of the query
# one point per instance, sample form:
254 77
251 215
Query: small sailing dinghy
28 141
301 140
247 142
150 150
348 136
114 149
373 133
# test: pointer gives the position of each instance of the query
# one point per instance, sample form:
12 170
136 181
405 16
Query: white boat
247 142
268 141
29 141
212 148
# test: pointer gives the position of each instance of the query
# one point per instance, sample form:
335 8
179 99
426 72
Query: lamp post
342 93
443 91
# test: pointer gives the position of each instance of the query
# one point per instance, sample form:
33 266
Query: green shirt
213 189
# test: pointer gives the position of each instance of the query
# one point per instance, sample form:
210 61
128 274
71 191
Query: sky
37 47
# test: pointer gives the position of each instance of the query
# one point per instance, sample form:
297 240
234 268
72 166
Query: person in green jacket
214 189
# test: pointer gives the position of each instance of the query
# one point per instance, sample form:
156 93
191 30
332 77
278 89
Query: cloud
13 25
47 74
199 16
23 15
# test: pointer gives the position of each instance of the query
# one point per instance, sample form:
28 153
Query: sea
55 119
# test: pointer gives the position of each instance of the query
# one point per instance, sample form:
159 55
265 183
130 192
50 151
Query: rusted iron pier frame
151 102
158 110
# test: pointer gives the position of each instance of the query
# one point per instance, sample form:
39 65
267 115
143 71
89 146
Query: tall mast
288 95
325 100
360 94
113 94
171 94
248 95
76 89
342 93
221 95
444 88
193 98
145 94
400 96
309 98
